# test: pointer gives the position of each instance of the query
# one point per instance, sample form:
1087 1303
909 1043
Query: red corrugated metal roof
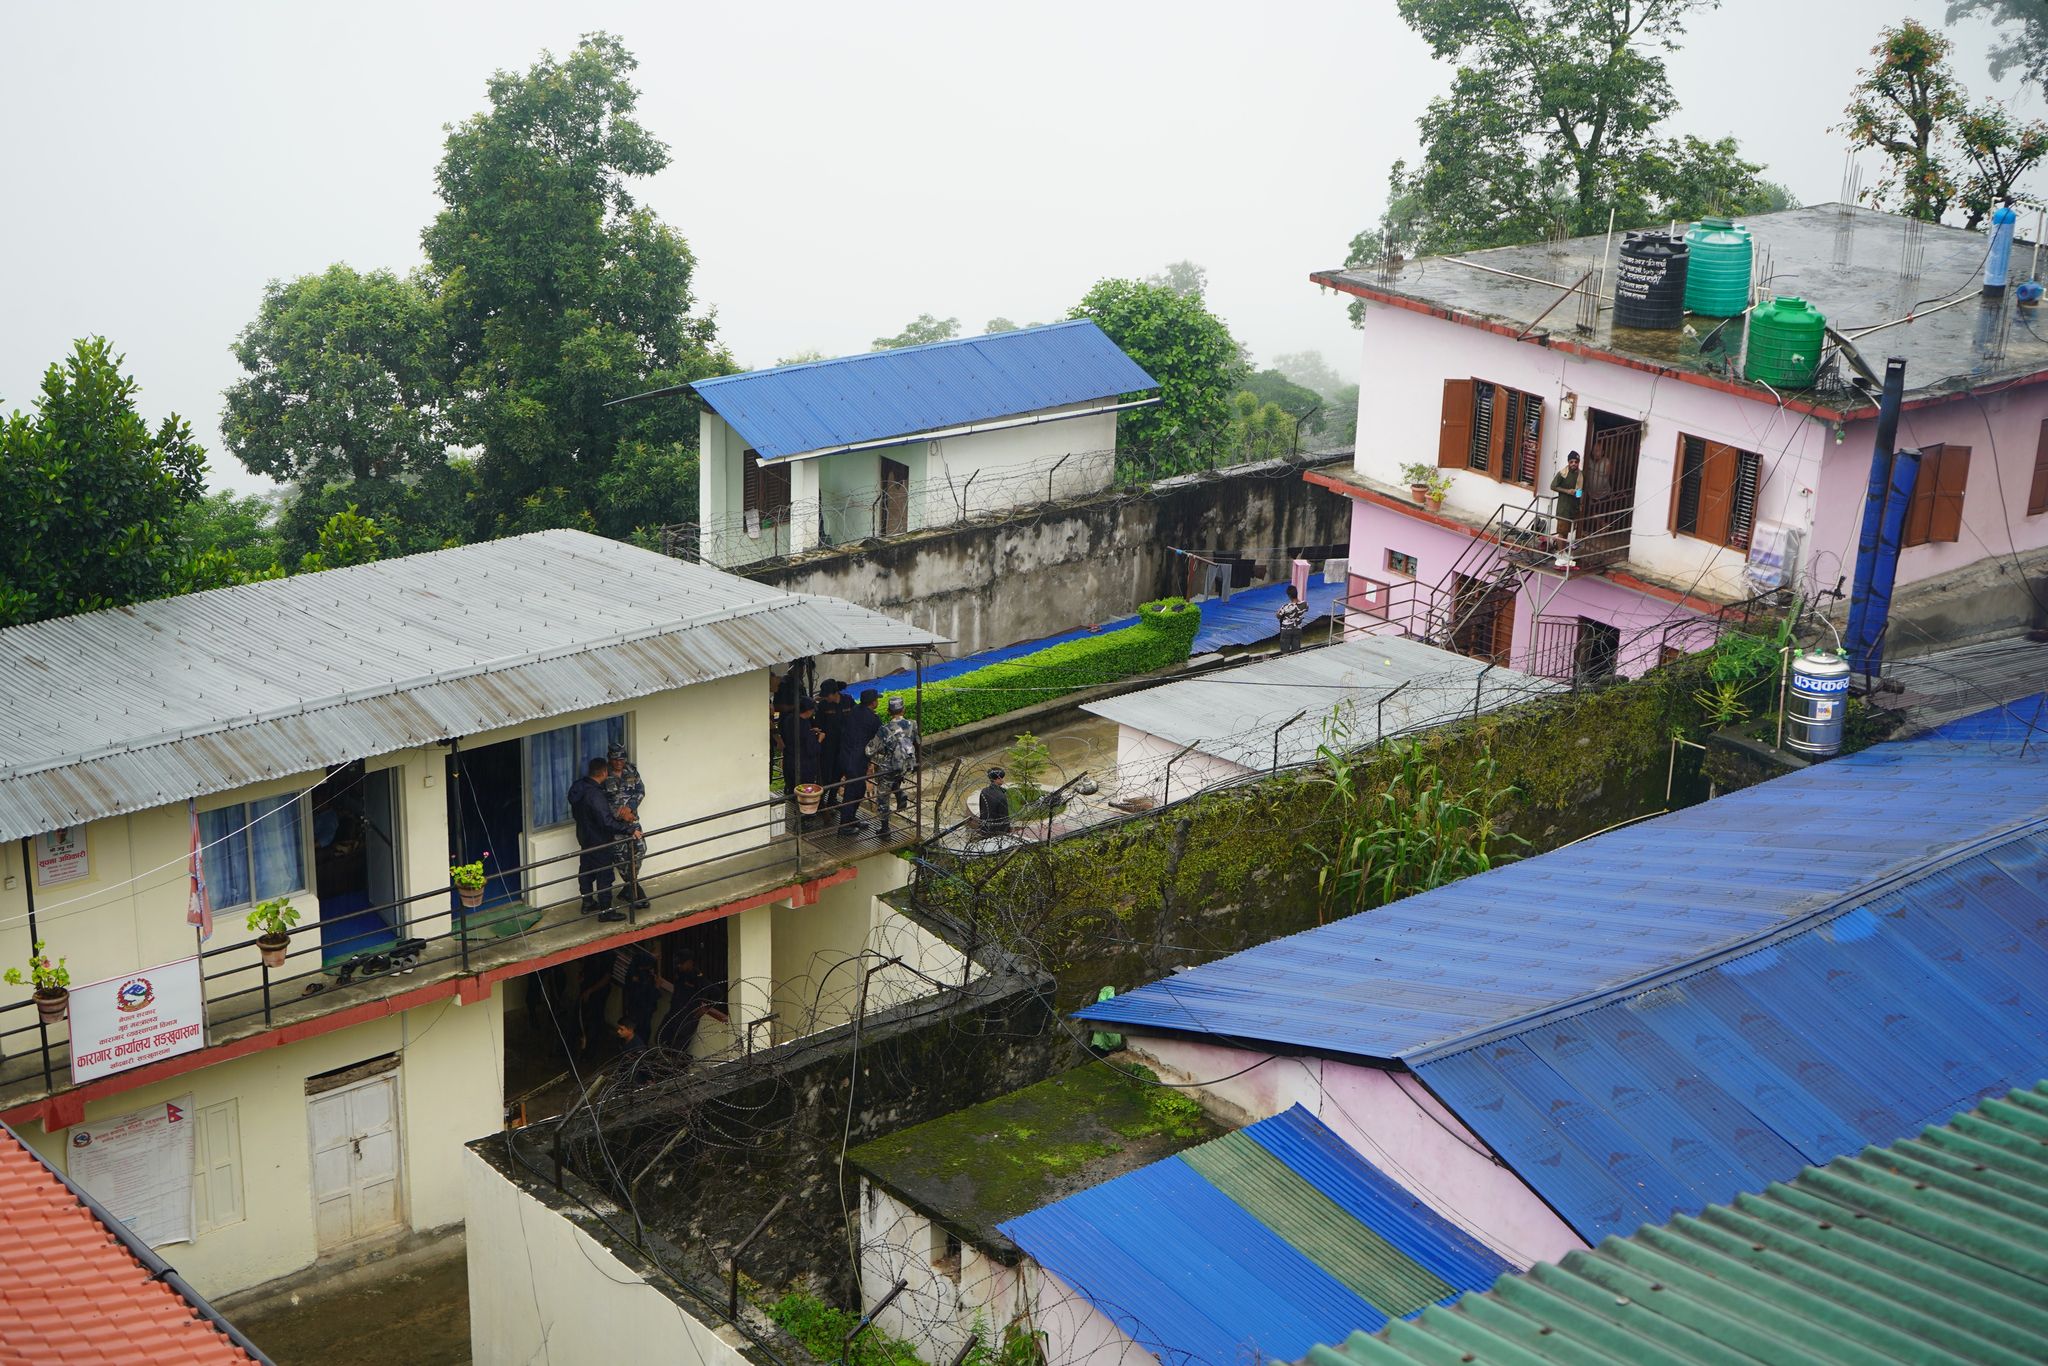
72 1291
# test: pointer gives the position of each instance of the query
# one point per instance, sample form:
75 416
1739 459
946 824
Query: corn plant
1408 836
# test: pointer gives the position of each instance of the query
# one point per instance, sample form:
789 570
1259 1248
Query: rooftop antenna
1389 261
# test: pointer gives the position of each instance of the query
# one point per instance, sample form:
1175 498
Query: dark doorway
1614 448
355 860
895 498
1482 619
487 817
1599 650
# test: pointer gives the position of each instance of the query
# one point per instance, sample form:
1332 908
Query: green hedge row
1163 635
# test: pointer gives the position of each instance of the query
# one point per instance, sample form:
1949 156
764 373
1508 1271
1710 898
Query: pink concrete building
1702 489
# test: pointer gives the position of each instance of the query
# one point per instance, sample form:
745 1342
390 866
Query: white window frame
533 825
305 887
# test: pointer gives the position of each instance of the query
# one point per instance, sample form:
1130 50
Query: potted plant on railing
1419 477
52 982
469 883
272 921
1437 486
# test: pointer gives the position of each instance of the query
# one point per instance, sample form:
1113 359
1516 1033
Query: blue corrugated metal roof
1193 1275
1450 964
820 404
1861 1027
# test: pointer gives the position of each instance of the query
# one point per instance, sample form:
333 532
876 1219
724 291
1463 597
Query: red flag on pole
198 906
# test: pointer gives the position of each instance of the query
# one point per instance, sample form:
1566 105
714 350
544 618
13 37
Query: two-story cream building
340 740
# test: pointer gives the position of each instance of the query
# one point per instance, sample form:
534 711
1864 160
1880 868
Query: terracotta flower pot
52 1003
471 897
1419 492
273 948
807 797
1436 504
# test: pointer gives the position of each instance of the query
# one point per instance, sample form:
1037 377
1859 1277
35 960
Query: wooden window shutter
1718 468
1920 511
2037 494
1454 436
1528 445
750 481
1742 504
1489 427
1951 476
1685 508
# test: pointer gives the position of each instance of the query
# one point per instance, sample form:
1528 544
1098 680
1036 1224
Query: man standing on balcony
599 830
1568 484
857 729
627 790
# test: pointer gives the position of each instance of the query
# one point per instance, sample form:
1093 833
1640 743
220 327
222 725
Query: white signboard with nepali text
139 1166
144 1017
60 856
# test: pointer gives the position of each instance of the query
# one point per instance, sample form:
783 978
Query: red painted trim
1329 280
67 1108
1407 507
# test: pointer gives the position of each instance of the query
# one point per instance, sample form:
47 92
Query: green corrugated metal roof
1283 1200
1934 1249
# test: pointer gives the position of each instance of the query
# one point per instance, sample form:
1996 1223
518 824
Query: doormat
513 917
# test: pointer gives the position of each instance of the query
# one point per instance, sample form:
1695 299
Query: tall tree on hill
560 293
96 502
2023 46
1198 364
920 330
1551 121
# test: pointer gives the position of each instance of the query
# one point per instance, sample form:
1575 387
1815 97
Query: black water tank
1649 283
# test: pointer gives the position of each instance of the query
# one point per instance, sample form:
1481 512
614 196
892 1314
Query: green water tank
1785 340
1717 276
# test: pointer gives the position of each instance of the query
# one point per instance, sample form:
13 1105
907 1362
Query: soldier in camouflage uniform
627 791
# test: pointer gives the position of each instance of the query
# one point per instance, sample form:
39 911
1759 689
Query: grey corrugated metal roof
1232 715
133 707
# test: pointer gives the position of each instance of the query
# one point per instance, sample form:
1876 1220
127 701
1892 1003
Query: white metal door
355 1159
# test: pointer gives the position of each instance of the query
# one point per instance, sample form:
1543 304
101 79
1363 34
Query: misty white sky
838 168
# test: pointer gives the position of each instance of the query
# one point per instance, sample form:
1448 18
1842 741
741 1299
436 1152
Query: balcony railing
689 867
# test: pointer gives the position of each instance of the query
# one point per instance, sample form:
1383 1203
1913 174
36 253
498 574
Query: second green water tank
1717 279
1785 340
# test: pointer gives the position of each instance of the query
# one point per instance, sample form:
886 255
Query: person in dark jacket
856 729
992 807
831 719
599 830
804 747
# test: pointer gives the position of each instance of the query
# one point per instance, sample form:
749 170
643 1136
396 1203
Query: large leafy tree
1192 355
95 500
560 293
1552 122
1940 151
343 381
2023 46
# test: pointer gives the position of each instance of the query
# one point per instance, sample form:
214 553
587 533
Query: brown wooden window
1716 493
1936 512
2037 493
1491 429
765 488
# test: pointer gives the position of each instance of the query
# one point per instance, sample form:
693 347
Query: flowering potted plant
1419 478
1438 486
272 921
469 883
52 982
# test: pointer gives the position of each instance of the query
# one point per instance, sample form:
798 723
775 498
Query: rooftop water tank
1717 282
1649 282
1785 339
1814 711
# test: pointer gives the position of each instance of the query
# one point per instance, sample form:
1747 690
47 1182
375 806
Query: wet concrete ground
411 1307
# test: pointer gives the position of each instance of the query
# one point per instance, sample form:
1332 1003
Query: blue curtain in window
277 846
254 851
555 758
226 857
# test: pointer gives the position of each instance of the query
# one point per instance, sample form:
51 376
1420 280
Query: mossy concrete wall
703 1158
1048 569
1126 904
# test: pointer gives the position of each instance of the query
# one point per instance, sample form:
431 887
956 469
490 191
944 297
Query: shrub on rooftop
1163 635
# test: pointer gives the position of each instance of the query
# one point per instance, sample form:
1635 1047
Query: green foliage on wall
1163 635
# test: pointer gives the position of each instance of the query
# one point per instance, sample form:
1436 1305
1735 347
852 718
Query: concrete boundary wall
1051 568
